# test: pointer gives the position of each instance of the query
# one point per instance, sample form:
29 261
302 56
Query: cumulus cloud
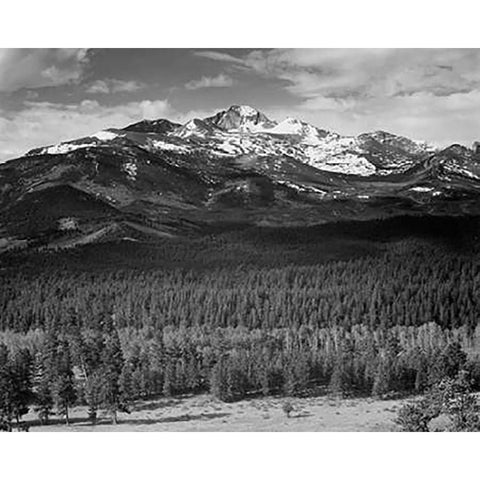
35 68
423 93
184 117
112 85
46 123
221 56
439 120
365 72
221 80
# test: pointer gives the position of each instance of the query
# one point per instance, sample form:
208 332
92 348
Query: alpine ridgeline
157 179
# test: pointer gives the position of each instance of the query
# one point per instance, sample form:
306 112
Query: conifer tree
338 385
218 380
21 375
112 366
6 390
127 389
42 390
64 384
93 394
381 382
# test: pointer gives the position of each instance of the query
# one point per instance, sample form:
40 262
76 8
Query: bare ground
204 413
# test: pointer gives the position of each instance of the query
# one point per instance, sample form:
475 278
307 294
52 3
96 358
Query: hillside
157 178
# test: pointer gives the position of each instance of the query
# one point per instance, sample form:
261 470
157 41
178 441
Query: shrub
451 398
287 408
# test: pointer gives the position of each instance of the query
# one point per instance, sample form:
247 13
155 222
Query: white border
238 456
246 23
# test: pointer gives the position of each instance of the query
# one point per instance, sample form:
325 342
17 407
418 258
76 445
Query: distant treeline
400 287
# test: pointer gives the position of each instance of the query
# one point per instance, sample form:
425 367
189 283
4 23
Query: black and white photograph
204 238
173 259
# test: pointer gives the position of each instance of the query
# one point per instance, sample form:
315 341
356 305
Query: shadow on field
173 419
84 422
156 404
302 415
53 422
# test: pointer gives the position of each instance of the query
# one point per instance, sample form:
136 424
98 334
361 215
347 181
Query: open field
203 413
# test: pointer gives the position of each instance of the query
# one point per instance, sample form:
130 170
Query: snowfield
105 135
62 148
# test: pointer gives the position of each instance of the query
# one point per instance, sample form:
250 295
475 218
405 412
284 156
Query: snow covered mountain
157 178
241 130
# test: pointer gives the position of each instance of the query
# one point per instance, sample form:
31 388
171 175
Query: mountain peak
160 126
194 127
241 117
244 110
292 120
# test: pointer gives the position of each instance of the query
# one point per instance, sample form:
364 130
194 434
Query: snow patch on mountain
246 111
422 189
347 163
338 154
162 145
465 170
63 148
130 169
302 188
105 135
308 134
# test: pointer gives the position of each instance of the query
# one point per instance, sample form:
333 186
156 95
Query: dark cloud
35 68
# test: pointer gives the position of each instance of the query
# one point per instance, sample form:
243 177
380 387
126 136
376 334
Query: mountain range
158 179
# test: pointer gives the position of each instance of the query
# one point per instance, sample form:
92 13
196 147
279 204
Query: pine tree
42 388
21 374
338 384
93 394
127 389
6 390
453 359
381 382
112 366
64 384
218 380
169 377
89 353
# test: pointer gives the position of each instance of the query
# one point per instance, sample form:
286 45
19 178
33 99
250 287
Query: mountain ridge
158 178
241 130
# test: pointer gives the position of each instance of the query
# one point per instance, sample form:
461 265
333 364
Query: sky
53 95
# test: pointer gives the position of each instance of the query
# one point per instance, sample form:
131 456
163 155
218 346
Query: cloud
112 85
441 120
219 56
46 123
153 109
431 94
184 117
209 82
364 72
35 68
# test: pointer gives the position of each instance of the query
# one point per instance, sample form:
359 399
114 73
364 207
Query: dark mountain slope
237 166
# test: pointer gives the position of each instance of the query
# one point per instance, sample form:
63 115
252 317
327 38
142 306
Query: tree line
108 368
410 288
106 325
